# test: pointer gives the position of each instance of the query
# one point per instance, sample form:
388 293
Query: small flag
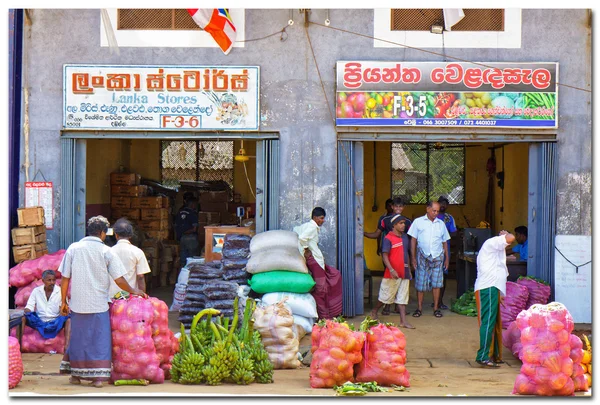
452 16
217 22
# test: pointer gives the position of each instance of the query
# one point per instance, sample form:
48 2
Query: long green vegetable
132 382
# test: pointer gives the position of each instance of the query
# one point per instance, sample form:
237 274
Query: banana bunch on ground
215 351
587 359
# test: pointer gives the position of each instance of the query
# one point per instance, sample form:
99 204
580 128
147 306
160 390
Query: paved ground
440 353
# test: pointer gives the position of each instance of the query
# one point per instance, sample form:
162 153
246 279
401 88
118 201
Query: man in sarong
90 265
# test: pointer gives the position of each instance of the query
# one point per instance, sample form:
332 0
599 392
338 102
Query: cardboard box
154 225
125 179
214 197
151 252
154 266
128 191
32 216
151 202
160 235
166 202
28 235
133 214
214 207
28 252
150 213
120 202
209 217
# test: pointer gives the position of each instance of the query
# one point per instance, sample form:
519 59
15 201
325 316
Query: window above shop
425 171
196 161
480 28
164 28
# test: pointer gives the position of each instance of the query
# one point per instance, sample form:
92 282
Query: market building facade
77 115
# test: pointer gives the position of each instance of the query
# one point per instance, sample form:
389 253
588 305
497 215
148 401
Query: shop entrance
505 183
235 178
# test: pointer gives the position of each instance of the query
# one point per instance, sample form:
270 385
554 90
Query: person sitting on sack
328 290
394 287
42 311
490 289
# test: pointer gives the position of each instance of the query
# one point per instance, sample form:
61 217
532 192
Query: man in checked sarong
429 255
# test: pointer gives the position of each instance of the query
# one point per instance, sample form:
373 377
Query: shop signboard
161 97
447 94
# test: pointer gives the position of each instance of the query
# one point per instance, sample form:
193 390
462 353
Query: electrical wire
574 265
248 178
430 52
283 38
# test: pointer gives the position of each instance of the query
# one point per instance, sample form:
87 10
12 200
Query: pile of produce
207 289
514 302
218 351
302 306
539 290
547 365
275 324
15 363
357 389
336 348
465 305
384 355
33 342
545 101
277 267
582 363
29 271
142 344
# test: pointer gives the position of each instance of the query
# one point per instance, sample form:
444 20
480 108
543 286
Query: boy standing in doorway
394 287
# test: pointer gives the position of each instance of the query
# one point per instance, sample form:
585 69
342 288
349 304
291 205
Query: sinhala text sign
492 94
224 98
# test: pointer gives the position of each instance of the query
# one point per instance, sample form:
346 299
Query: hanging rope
430 52
573 264
282 38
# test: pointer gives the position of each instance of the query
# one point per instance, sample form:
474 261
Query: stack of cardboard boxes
214 209
29 239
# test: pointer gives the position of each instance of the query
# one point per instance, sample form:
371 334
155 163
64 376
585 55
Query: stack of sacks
26 276
181 285
207 289
277 266
236 250
514 302
539 291
511 339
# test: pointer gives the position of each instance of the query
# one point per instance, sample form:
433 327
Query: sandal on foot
74 381
444 306
437 313
385 312
417 313
97 384
488 363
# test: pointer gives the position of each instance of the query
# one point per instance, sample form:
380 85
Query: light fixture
437 28
241 156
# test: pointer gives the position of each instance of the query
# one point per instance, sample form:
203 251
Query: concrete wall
293 102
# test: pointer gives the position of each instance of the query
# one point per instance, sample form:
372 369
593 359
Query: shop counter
466 272
215 236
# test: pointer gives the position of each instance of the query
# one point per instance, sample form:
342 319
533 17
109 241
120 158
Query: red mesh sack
384 357
165 342
336 349
547 365
33 342
514 302
539 293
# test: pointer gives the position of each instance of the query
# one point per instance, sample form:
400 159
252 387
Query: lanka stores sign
223 98
441 94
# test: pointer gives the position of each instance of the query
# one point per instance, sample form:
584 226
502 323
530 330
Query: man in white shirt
133 258
90 265
308 235
42 311
490 289
429 233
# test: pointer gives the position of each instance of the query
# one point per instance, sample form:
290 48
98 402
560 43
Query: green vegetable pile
358 389
215 351
537 100
466 304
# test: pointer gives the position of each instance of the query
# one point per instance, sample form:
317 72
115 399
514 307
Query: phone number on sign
450 122
180 121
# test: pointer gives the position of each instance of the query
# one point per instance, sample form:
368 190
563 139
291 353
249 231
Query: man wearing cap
451 226
132 257
89 265
429 233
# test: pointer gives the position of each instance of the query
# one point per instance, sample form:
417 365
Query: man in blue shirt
521 248
186 229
